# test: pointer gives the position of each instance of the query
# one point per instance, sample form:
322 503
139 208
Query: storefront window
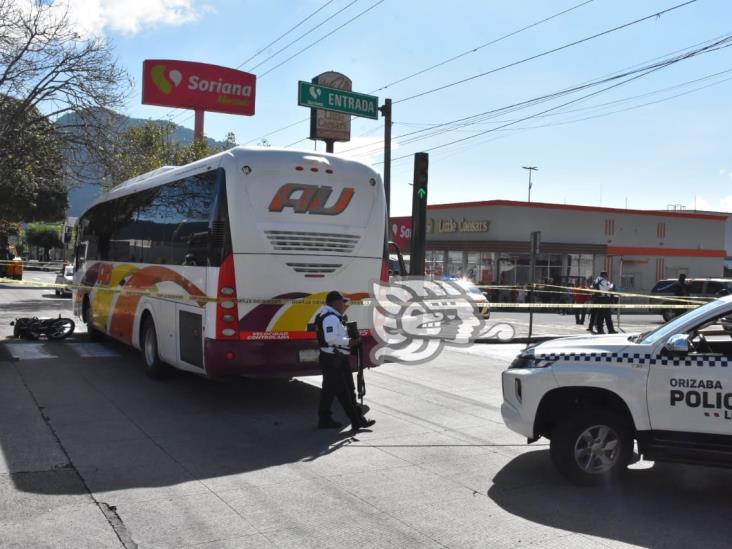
454 264
579 267
472 266
486 273
434 260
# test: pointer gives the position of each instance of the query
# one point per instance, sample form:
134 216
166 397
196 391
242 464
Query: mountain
83 194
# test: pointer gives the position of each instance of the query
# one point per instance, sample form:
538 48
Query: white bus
213 253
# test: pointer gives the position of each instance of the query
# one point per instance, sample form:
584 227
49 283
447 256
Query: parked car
477 296
65 276
698 287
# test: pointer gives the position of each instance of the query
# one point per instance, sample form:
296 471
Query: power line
629 108
473 50
288 31
541 54
273 42
536 23
283 128
318 41
564 122
326 36
304 34
709 45
544 53
296 142
601 105
640 74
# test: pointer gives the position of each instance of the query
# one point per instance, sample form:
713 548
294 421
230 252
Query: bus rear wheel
154 367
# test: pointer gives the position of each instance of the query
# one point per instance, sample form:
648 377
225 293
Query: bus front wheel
154 367
86 316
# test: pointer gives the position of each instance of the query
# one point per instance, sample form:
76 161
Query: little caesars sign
457 226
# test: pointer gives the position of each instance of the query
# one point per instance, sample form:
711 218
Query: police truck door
693 392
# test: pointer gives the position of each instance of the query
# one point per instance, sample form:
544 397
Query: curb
533 339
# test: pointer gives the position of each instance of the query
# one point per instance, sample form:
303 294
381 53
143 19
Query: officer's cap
335 296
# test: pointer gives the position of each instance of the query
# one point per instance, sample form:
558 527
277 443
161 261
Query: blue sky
671 152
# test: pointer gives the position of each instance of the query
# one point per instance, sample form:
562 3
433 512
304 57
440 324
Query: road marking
28 351
92 350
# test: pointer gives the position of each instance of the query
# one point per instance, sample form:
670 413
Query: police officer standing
335 349
604 315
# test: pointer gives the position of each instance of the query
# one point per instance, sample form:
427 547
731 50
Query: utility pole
531 169
386 113
534 244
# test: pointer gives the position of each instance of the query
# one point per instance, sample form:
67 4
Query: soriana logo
199 86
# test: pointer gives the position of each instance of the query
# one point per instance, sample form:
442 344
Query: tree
43 237
31 168
144 148
230 141
47 67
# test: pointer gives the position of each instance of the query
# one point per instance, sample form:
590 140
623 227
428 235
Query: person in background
603 315
580 296
680 287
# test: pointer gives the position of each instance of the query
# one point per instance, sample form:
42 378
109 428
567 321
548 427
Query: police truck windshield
672 327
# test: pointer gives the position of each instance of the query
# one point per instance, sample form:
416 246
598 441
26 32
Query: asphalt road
94 454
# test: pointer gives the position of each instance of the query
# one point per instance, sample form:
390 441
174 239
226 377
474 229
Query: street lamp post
531 169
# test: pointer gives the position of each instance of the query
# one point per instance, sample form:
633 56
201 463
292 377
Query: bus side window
219 231
80 257
189 241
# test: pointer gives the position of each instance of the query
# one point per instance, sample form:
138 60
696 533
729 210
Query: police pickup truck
669 389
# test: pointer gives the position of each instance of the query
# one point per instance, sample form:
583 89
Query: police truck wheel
592 446
154 367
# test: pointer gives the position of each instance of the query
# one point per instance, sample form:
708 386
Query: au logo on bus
310 199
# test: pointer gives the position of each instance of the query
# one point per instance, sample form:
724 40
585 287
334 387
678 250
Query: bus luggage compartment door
190 337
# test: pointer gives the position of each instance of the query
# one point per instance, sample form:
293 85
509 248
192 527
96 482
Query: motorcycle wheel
60 328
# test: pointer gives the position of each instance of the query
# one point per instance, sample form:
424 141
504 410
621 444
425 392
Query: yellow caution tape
366 302
563 290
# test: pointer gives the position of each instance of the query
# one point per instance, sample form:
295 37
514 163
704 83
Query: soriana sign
199 86
401 232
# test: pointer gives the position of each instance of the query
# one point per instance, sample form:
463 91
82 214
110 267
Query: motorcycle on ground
34 327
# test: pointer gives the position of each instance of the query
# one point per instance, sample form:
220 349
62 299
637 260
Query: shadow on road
651 508
120 430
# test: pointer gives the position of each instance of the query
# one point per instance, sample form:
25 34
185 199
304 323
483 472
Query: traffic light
419 214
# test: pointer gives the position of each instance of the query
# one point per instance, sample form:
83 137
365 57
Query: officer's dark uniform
334 361
604 315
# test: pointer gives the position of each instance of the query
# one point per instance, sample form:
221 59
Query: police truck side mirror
678 344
